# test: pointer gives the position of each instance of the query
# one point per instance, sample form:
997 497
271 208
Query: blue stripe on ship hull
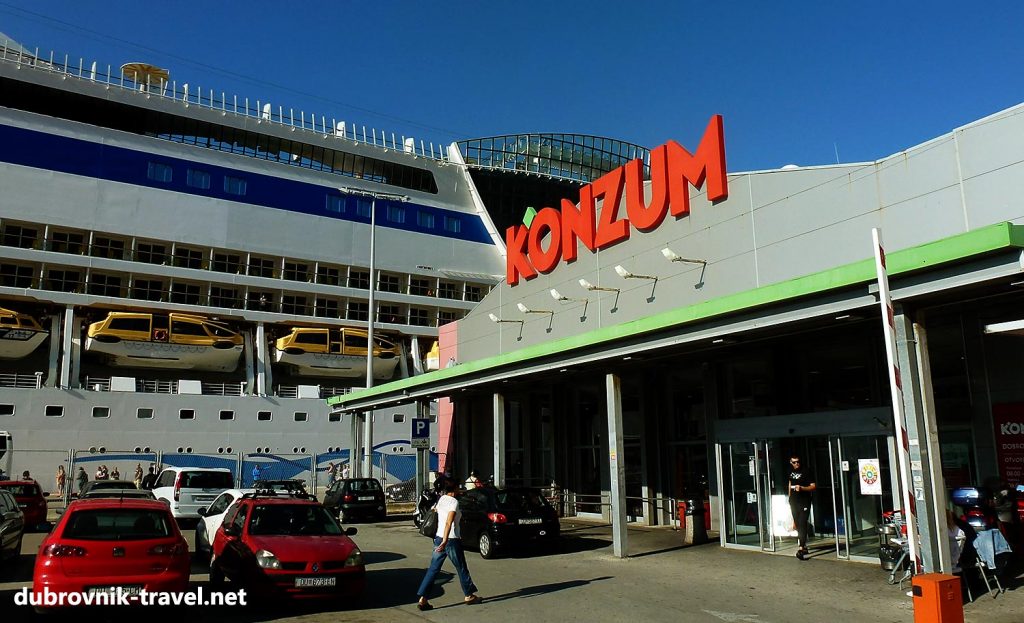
41 150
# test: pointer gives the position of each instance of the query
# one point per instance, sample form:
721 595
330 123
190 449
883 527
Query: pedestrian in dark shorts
801 484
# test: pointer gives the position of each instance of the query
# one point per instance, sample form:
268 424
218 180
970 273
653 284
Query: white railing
292 391
208 98
327 392
287 391
222 389
97 384
21 381
145 386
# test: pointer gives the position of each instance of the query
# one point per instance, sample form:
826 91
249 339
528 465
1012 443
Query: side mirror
202 511
232 531
351 531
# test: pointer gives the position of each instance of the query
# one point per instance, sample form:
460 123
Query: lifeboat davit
20 334
172 341
312 351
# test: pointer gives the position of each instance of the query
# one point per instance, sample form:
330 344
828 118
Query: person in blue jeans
448 544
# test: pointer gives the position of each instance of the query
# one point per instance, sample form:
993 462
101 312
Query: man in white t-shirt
448 544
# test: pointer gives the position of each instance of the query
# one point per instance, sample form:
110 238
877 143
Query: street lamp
374 196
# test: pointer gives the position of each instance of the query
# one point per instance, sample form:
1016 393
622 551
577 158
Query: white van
187 489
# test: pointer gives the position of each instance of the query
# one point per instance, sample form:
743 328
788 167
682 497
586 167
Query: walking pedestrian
801 484
344 472
83 479
115 474
331 473
149 480
255 473
138 476
448 544
61 480
101 473
27 476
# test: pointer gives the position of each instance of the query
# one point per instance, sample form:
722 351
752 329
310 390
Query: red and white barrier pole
895 382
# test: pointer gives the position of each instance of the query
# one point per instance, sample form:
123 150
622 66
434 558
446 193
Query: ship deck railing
155 386
21 381
222 102
292 391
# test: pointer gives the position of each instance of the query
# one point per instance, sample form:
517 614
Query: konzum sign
672 169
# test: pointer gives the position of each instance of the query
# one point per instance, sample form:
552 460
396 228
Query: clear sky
797 82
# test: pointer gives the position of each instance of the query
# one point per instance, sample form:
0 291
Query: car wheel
486 544
216 573
202 547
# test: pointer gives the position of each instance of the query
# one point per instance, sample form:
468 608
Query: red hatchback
101 545
289 546
31 500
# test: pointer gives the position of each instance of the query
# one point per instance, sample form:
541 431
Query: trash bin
692 522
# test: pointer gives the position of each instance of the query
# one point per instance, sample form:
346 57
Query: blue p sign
420 428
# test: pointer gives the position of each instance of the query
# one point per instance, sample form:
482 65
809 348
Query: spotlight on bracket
672 256
625 274
586 285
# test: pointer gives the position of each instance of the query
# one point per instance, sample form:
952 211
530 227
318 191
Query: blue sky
796 81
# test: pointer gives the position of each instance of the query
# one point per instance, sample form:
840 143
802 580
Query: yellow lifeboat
20 334
434 357
175 341
314 351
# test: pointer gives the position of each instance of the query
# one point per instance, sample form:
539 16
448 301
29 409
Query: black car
496 520
292 487
404 491
12 526
356 497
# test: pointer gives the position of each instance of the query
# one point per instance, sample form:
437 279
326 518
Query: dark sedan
497 520
356 497
12 526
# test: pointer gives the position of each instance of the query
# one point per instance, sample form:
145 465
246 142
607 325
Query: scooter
978 504
427 500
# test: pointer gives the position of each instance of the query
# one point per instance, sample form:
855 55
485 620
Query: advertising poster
870 473
1008 419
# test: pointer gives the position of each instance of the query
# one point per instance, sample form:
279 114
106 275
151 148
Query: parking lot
660 581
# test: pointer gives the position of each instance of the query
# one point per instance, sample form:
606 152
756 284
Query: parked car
133 493
289 486
356 497
211 519
496 520
31 500
404 491
96 485
12 526
101 544
287 546
187 489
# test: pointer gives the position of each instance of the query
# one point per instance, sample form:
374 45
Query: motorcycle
427 500
978 504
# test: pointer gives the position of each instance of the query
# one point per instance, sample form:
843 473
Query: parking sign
420 433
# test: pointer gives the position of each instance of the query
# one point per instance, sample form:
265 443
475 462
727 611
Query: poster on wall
870 473
1008 419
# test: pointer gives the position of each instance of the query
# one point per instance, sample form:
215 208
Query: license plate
132 590
315 582
365 498
22 505
524 522
203 498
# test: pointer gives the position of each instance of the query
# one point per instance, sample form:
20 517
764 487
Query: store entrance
853 488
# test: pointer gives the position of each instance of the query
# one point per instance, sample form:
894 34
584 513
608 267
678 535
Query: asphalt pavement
661 580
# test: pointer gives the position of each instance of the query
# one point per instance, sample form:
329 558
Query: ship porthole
146 449
103 449
228 450
138 450
92 449
220 450
180 449
295 450
188 450
302 450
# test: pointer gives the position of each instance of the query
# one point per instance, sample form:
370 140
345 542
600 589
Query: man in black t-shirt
801 484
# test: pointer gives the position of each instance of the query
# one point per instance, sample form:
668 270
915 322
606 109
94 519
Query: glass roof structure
577 157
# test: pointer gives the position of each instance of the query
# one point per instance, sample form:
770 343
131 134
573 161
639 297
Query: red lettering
644 216
610 229
708 163
577 224
547 220
516 263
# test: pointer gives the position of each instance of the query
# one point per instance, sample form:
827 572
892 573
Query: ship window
396 214
186 293
66 242
473 293
388 283
359 279
326 308
64 280
448 290
264 416
188 258
198 179
358 311
226 263
181 327
148 290
54 411
107 247
391 314
186 414
14 276
444 317
104 285
355 340
420 287
159 172
294 305
223 297
7 409
9 320
227 415
151 253
419 317
144 413
333 417
452 224
234 185
261 267
101 411
398 418
301 416
335 203
293 271
129 324
363 207
311 338
328 276
425 219
17 236
262 301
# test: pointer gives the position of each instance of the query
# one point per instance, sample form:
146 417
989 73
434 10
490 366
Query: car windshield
117 524
22 491
363 485
520 501
206 480
111 484
292 519
120 493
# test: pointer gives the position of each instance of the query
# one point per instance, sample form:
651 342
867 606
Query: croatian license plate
365 498
203 498
524 522
315 582
131 590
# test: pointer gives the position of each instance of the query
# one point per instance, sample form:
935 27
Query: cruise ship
185 275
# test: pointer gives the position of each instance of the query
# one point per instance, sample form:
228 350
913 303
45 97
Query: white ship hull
18 343
135 354
341 366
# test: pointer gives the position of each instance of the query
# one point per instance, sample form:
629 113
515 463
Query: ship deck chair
990 555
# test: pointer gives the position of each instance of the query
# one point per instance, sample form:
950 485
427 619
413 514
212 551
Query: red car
31 500
286 545
101 544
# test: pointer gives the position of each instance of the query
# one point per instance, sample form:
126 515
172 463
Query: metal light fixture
497 320
625 274
672 256
586 285
558 296
526 310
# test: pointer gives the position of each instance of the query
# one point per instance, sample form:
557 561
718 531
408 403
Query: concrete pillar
65 361
55 342
368 445
354 464
499 440
617 465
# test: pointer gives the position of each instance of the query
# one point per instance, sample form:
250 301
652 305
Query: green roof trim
988 239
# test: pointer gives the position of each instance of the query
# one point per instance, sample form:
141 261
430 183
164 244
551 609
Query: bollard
694 530
937 599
